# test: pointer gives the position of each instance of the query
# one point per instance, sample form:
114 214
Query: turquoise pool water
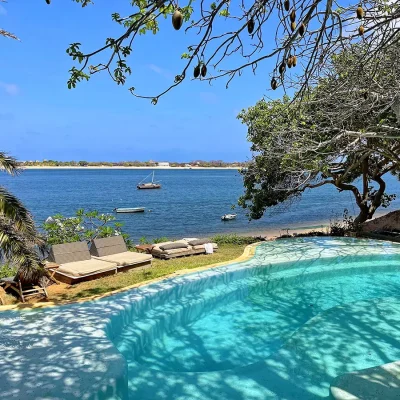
282 325
273 328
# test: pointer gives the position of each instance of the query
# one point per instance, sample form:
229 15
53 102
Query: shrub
84 226
234 239
7 270
341 227
161 239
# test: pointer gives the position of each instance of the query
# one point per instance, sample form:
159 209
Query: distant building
163 164
188 166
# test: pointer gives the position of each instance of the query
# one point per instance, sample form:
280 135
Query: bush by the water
235 239
339 227
84 226
219 239
144 240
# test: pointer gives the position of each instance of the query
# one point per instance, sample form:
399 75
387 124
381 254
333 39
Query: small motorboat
129 210
228 217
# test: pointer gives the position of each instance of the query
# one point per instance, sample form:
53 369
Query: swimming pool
281 325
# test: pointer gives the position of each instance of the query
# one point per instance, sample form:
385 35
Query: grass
160 268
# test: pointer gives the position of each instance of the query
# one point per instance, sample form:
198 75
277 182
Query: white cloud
9 88
160 71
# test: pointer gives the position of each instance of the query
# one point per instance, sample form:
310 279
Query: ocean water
190 202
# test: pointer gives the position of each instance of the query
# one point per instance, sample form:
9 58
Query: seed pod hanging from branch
203 70
250 26
177 19
274 84
286 5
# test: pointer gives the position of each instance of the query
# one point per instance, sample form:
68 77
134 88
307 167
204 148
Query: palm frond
9 164
20 251
11 208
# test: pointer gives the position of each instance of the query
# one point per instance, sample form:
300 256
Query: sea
189 204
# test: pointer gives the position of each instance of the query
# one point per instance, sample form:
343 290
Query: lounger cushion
87 267
107 246
173 252
201 246
69 252
173 246
126 258
198 242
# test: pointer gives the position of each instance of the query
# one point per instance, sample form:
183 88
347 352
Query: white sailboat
149 185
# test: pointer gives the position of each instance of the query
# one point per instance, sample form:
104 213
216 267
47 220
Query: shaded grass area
160 268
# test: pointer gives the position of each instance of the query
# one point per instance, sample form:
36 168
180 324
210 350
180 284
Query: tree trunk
362 216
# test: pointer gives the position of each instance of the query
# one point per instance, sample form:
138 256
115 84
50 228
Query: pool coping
79 337
248 253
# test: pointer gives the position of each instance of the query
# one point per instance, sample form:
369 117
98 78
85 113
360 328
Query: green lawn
160 268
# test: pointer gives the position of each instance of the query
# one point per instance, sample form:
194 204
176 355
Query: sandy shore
122 167
377 222
276 232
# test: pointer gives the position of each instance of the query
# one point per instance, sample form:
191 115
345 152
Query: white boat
228 217
129 210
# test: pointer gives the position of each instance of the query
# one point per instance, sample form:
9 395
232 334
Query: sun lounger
180 248
113 249
76 265
23 290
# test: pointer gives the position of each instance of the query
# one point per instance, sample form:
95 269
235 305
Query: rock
387 222
3 299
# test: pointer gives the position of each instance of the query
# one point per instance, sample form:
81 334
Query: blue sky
41 118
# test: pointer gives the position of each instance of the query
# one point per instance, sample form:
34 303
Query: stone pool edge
248 253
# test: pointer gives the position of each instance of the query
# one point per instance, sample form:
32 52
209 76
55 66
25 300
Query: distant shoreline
130 167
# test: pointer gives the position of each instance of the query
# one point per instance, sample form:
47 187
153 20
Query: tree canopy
230 37
344 129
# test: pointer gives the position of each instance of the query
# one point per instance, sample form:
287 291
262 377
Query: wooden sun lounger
23 290
113 249
74 264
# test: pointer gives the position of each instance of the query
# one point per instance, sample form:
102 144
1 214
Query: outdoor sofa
181 248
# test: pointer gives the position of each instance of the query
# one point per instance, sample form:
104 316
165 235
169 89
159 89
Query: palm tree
18 234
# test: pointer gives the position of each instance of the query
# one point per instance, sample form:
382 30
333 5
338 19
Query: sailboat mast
152 179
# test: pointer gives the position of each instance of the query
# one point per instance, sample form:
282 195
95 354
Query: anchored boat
129 210
228 217
149 185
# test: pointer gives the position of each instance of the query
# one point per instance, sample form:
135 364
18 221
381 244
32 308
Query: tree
345 128
230 37
18 235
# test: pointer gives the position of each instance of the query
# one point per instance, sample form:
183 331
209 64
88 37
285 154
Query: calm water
190 202
264 331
